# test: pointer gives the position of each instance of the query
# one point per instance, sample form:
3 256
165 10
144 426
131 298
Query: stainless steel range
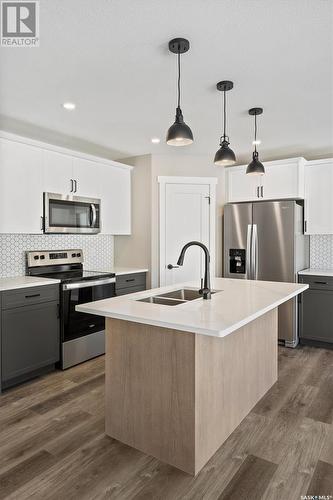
82 335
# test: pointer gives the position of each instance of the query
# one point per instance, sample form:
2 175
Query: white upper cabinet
57 172
282 179
21 206
318 197
27 170
240 187
87 177
65 174
116 200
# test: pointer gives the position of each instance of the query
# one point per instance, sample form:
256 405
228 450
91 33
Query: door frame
163 181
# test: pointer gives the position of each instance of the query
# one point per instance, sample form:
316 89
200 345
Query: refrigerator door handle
254 252
248 274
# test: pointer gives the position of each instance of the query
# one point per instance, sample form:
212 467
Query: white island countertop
237 303
24 282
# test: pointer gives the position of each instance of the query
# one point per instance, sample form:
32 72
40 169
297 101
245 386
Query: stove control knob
73 254
78 255
36 257
42 257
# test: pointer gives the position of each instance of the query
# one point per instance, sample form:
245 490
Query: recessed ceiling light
256 143
70 106
155 140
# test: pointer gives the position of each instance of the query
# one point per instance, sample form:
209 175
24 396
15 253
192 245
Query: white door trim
163 181
166 179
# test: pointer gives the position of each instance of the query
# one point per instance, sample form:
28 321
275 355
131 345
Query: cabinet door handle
132 279
32 296
321 282
305 226
262 191
75 184
72 186
257 191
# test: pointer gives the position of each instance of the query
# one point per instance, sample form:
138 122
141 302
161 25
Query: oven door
76 324
71 214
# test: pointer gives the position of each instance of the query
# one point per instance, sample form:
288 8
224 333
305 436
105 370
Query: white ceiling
111 58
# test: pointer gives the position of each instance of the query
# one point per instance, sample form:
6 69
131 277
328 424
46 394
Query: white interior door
187 213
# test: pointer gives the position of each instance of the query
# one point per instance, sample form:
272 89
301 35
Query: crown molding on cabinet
58 149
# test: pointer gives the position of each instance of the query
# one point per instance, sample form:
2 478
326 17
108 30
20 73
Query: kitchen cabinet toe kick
178 395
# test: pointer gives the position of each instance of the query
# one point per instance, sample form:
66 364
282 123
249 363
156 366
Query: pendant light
179 134
225 155
255 167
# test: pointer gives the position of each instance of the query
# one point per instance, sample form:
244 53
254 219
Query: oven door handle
86 284
94 215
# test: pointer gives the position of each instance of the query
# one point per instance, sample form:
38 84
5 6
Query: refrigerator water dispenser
237 261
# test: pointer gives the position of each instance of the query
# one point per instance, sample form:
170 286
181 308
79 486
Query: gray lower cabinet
30 332
130 283
316 310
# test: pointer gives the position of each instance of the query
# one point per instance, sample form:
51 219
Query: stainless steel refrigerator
265 241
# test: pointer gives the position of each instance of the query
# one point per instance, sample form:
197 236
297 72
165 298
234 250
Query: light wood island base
178 395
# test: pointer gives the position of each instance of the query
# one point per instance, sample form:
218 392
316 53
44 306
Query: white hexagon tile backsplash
97 250
321 251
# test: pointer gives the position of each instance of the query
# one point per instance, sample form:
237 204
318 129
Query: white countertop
238 303
119 270
317 272
24 282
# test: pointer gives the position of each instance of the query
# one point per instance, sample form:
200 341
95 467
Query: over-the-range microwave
71 214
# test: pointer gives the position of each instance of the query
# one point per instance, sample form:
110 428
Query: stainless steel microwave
71 214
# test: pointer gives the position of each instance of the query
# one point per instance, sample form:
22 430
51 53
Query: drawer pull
321 282
131 279
32 296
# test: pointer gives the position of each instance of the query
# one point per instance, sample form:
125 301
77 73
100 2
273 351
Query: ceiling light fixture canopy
255 167
225 155
179 134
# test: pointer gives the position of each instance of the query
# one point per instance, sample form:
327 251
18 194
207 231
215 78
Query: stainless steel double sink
174 298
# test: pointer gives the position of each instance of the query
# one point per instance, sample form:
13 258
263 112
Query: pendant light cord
224 115
255 133
178 80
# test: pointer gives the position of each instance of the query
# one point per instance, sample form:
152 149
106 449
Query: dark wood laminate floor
52 442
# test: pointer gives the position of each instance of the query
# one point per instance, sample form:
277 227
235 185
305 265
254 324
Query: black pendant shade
225 155
255 167
179 134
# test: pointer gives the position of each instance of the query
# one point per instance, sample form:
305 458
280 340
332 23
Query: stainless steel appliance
265 241
82 335
71 214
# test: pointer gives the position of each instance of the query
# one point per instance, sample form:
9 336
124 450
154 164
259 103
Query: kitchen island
182 372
